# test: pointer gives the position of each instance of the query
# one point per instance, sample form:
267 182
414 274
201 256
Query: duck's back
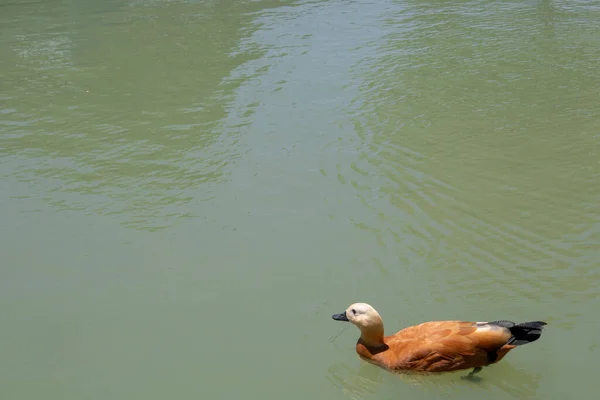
441 346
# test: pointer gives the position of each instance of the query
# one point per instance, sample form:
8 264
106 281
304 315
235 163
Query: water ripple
487 193
118 134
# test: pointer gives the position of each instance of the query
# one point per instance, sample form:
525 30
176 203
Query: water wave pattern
89 126
473 168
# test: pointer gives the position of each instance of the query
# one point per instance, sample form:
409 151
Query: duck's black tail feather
524 333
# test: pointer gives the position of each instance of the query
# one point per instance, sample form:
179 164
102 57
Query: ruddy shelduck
437 346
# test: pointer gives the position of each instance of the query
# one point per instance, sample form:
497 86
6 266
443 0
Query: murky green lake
190 189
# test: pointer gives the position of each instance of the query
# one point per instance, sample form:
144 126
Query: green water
190 189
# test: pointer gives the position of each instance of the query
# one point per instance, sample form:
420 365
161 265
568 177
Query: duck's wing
448 345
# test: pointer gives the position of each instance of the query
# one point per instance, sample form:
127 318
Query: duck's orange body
437 346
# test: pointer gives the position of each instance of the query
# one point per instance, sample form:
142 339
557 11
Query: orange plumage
437 346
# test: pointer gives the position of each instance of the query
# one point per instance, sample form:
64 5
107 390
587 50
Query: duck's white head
363 315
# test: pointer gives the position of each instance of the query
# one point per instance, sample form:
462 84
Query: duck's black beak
340 317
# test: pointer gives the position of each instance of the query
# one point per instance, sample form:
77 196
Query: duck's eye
353 311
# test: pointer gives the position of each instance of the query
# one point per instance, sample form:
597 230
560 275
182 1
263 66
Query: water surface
189 190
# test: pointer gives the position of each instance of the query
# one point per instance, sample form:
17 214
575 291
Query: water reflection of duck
437 346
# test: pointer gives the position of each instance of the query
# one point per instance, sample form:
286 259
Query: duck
437 346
